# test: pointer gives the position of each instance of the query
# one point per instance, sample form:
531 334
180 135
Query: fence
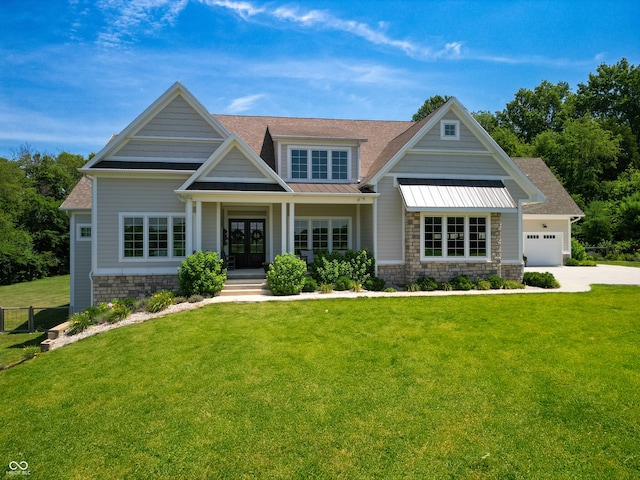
30 319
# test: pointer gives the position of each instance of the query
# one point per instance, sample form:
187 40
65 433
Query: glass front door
247 242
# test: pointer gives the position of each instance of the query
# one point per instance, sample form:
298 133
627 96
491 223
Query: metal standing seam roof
447 194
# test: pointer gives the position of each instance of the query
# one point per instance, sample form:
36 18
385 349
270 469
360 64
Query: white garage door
543 249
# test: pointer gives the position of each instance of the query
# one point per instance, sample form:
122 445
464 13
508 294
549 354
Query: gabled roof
80 196
559 202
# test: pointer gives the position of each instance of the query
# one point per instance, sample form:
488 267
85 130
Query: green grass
48 292
496 386
619 263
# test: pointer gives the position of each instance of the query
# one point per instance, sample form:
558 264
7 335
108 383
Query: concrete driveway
579 279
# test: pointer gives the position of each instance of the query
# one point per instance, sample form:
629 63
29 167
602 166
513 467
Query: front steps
245 282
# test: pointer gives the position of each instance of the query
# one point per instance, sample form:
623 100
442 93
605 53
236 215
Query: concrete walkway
580 279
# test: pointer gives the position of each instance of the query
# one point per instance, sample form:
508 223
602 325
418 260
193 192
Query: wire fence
31 319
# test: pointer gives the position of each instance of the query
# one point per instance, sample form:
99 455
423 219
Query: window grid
319 168
298 164
301 235
477 237
339 165
455 236
158 237
319 164
133 237
340 234
179 237
432 236
320 234
153 236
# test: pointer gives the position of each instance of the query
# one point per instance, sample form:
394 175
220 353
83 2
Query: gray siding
167 149
82 266
116 195
178 119
450 165
467 141
209 226
515 190
390 221
235 165
510 237
366 228
282 156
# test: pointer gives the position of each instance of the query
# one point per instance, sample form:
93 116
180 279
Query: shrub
195 298
286 275
328 270
342 284
578 252
326 288
310 285
358 265
428 284
98 313
362 265
512 285
390 290
483 285
79 322
30 351
413 287
201 274
178 300
542 280
375 284
356 287
446 286
461 282
496 282
572 262
159 301
119 311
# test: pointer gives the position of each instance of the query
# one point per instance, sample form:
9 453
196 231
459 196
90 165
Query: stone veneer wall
399 275
110 287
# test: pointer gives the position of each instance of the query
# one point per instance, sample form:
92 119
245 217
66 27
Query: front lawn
491 386
620 263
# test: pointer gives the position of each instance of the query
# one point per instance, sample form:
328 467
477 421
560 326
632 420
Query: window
153 236
83 232
325 164
455 237
450 130
321 233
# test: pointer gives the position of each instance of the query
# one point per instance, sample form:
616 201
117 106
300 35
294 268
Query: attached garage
543 249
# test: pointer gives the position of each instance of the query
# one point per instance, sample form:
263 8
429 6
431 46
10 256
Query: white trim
292 221
79 236
145 225
329 150
467 258
219 227
443 128
269 257
283 227
198 234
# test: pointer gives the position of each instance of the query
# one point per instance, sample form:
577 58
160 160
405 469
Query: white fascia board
108 173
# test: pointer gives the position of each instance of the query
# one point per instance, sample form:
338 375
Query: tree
629 218
430 105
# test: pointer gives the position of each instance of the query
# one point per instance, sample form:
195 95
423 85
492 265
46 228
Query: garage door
543 249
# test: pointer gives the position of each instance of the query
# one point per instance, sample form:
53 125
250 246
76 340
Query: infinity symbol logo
18 465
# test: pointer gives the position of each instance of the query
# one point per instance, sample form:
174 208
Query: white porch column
358 241
292 219
198 233
219 241
270 234
283 223
189 226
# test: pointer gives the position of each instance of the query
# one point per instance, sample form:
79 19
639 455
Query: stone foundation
394 275
513 272
110 287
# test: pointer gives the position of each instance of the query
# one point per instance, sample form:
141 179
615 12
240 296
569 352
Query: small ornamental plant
286 275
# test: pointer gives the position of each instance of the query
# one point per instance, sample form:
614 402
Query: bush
326 288
572 262
375 284
496 282
79 322
542 280
178 300
413 287
342 284
578 251
358 265
390 290
310 285
159 301
328 270
512 285
427 284
461 282
483 285
286 275
195 298
119 311
201 274
446 286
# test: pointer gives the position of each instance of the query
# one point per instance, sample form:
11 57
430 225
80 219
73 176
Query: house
432 198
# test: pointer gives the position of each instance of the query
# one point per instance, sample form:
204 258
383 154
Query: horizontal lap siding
390 221
178 119
209 227
449 165
167 149
235 165
366 228
116 195
82 266
467 141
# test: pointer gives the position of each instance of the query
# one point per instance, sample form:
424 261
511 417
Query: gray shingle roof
559 202
80 196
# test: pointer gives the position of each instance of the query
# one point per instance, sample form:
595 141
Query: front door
246 242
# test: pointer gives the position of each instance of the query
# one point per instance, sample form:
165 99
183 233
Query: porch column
189 226
292 219
198 232
219 242
283 223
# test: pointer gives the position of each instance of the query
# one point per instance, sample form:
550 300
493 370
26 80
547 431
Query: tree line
34 232
590 138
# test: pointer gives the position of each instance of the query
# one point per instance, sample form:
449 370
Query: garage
543 249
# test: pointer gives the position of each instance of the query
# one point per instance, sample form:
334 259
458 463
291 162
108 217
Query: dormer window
450 130
325 164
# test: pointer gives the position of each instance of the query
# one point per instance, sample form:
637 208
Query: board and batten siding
390 221
235 165
178 119
467 141
131 195
448 165
81 264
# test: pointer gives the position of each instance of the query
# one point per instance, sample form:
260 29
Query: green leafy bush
572 262
413 287
461 282
326 288
427 284
446 286
286 275
542 280
201 274
179 299
375 284
310 285
512 285
342 284
119 311
159 301
328 270
483 285
358 265
390 290
30 351
79 322
578 251
496 282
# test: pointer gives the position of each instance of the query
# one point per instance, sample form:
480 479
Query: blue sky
74 72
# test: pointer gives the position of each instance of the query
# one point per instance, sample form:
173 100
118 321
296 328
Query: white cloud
243 104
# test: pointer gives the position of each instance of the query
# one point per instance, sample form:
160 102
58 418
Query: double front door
247 242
